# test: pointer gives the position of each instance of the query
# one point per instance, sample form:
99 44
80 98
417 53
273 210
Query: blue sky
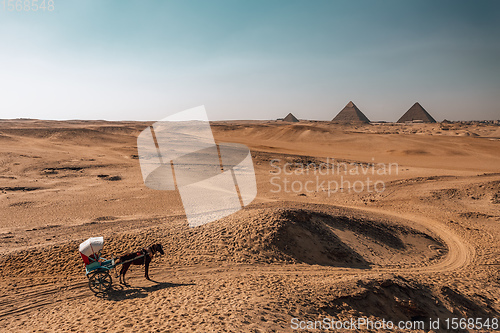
144 60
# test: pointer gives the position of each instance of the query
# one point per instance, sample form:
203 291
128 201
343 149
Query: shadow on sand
121 292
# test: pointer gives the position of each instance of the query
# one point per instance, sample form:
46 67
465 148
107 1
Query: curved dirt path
460 253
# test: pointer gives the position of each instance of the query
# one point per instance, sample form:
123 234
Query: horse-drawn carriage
97 268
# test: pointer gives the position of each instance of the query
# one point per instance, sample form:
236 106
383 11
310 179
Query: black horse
145 255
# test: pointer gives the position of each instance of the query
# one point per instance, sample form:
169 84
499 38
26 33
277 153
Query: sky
258 59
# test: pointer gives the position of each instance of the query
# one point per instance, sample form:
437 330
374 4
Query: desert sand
422 248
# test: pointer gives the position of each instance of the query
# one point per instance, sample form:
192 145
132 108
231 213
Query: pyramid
291 118
417 112
351 113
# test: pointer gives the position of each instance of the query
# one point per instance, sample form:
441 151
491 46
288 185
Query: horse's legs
146 269
123 271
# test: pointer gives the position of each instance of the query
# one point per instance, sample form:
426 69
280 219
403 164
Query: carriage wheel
100 282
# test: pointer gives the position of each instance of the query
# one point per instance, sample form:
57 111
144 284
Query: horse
146 253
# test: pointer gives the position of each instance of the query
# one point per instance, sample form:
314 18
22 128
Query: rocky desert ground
425 245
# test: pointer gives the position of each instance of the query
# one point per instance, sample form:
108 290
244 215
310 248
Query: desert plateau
425 245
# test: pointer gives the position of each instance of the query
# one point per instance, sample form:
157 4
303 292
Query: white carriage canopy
90 248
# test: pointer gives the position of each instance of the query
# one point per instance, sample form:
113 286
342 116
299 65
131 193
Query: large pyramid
417 112
351 113
291 118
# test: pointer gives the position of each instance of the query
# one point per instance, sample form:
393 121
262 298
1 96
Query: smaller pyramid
351 113
291 118
416 113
